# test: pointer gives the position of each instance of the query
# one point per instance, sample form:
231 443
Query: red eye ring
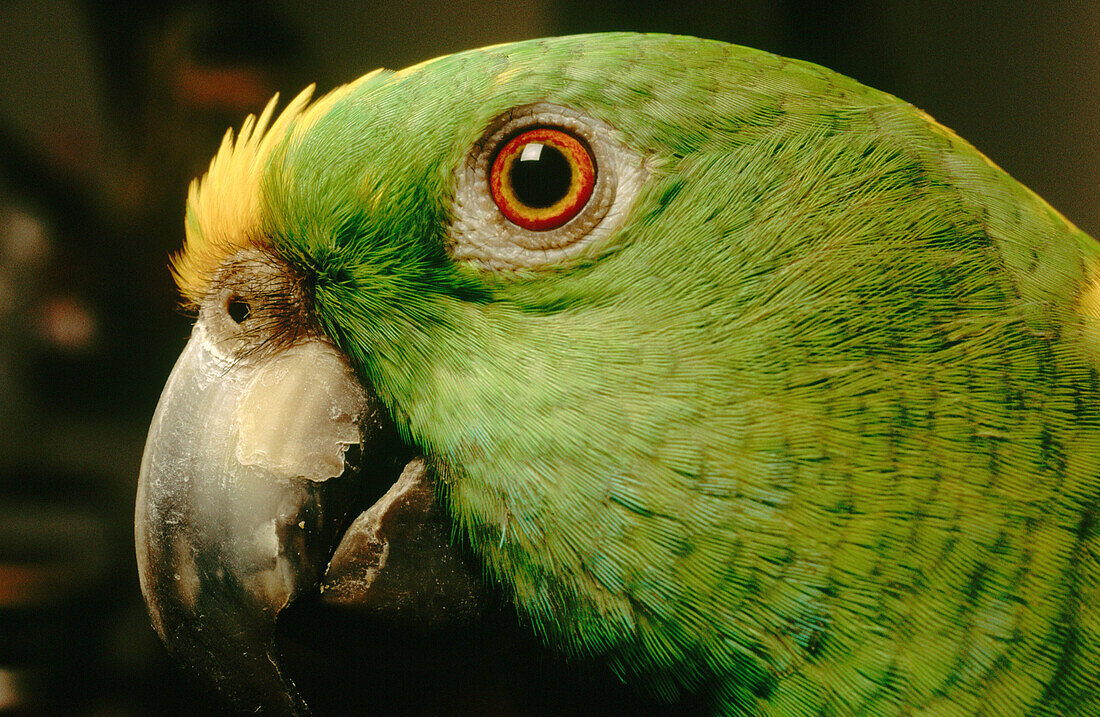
550 192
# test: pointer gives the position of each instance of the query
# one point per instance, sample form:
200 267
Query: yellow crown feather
223 207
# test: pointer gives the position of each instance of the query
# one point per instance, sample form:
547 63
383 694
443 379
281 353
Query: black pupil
238 309
541 175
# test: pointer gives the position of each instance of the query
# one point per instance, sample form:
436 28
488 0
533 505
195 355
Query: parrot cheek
242 495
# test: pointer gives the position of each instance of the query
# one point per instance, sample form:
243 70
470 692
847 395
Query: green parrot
753 383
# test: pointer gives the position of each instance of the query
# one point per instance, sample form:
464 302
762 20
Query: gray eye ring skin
480 233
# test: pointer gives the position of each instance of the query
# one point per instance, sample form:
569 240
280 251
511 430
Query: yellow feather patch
1088 306
224 206
1090 297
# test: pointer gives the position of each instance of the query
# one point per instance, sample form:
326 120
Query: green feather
816 431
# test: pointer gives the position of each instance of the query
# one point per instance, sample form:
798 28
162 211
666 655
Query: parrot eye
542 178
543 183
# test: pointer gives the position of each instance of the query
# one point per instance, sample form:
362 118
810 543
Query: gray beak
243 495
247 501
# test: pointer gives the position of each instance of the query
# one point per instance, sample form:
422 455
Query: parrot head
628 319
402 280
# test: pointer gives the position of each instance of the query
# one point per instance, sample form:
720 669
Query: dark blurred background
109 108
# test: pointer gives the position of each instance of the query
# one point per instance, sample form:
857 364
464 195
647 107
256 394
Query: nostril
238 309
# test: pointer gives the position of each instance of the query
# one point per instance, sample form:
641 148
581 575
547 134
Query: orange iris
542 178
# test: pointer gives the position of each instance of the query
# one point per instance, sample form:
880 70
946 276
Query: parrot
755 386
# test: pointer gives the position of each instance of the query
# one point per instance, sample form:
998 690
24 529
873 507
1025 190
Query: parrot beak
243 462
245 493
